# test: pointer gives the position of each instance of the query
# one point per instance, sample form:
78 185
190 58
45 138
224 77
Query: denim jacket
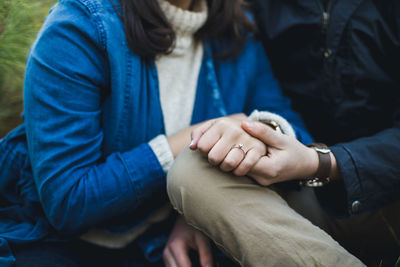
91 106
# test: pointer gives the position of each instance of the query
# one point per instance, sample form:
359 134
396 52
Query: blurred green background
20 20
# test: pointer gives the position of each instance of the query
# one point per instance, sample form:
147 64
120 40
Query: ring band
240 146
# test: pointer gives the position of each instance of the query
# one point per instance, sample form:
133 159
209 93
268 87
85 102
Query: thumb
264 133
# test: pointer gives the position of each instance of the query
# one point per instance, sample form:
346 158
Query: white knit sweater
178 75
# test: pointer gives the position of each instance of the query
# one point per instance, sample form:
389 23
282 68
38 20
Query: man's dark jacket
342 72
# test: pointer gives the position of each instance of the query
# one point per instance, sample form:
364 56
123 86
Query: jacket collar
341 14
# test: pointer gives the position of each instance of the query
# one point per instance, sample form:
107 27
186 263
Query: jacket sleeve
266 94
65 81
370 168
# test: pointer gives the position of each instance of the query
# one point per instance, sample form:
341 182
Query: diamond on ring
240 146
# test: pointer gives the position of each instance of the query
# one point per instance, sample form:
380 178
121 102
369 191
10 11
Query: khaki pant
254 224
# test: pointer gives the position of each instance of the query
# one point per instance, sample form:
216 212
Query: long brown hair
149 34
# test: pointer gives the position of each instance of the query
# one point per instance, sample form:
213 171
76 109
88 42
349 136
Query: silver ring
240 146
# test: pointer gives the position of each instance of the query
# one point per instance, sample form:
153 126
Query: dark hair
149 34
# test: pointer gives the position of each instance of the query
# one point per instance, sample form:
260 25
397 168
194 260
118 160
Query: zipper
326 12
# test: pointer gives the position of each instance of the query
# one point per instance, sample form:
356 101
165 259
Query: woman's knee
185 177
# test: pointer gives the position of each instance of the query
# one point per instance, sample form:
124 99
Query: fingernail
248 124
191 143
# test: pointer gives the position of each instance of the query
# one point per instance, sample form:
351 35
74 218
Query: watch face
323 150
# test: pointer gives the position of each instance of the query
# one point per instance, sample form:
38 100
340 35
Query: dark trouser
78 253
373 237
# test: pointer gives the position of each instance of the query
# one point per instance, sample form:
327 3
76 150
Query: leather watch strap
321 177
325 164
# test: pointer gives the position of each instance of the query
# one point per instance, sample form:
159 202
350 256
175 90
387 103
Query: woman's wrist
178 141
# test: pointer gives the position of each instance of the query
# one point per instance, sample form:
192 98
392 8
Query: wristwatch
321 177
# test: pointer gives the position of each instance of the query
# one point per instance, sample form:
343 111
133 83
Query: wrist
335 173
178 141
322 175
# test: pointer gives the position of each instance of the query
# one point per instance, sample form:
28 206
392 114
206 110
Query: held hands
267 156
287 158
182 239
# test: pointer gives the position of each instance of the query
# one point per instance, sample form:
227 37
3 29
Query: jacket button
355 207
327 53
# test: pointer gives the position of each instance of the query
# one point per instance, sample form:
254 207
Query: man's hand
183 238
286 159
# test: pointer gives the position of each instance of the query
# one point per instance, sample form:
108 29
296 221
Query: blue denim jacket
91 106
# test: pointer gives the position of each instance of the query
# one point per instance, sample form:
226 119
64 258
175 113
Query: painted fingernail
191 143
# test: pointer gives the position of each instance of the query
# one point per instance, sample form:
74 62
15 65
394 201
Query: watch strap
324 157
321 177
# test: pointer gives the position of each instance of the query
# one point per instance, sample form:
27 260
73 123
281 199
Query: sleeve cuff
339 199
268 116
163 152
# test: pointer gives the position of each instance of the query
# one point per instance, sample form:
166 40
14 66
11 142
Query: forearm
178 141
369 169
80 198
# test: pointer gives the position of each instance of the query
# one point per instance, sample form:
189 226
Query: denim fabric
91 106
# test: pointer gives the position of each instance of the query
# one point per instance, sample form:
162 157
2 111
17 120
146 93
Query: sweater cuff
268 116
163 152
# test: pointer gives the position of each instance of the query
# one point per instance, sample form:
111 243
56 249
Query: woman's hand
225 143
183 238
181 139
287 158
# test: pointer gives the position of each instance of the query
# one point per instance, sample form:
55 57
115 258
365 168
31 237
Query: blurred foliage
20 20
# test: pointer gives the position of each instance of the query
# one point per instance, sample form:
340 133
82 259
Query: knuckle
174 245
273 173
221 122
202 147
243 169
165 254
224 167
246 166
236 131
239 172
208 260
264 182
230 163
213 159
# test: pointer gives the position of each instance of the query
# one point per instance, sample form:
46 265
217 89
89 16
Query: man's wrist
313 163
335 173
321 176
